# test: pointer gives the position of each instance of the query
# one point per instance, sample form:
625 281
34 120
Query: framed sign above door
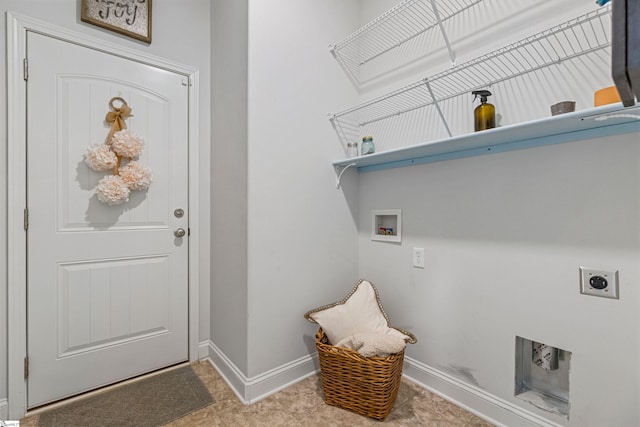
131 18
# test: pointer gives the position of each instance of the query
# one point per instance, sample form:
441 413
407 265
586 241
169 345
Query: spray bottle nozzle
482 94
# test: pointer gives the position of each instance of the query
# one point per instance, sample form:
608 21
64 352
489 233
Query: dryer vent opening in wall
542 375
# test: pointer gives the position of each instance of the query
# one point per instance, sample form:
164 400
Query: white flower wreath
112 190
136 176
126 144
100 158
120 144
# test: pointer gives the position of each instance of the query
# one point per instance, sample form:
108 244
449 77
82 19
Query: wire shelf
584 35
404 22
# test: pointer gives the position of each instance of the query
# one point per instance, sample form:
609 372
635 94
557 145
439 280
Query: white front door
107 285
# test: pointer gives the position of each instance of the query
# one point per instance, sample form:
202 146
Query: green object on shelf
367 146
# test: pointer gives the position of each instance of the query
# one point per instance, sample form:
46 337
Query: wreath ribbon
117 119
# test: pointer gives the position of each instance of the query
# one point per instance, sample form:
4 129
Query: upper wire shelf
404 22
580 36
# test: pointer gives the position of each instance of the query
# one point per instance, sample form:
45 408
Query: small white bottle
352 149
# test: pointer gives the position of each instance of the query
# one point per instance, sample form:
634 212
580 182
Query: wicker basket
365 385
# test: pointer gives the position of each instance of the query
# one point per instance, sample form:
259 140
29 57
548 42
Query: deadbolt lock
178 213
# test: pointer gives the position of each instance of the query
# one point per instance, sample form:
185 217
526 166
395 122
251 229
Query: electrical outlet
599 283
418 257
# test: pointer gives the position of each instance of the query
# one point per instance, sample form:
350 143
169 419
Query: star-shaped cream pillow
360 312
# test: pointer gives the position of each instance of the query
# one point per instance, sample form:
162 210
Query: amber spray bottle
485 114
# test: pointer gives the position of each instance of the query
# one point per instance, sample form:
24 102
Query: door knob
179 232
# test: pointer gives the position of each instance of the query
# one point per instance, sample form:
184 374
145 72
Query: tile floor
301 405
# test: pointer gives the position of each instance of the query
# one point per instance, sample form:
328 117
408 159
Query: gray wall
302 231
229 199
504 236
284 240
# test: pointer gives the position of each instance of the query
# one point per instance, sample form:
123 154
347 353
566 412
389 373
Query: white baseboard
203 350
251 390
4 409
471 398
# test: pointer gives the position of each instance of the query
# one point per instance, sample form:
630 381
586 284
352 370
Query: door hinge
26 368
25 69
26 219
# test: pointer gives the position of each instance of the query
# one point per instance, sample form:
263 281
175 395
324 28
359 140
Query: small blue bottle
367 146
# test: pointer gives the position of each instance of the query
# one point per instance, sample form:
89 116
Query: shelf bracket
444 33
435 103
339 177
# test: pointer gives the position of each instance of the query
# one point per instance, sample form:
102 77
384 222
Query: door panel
77 180
108 303
107 285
